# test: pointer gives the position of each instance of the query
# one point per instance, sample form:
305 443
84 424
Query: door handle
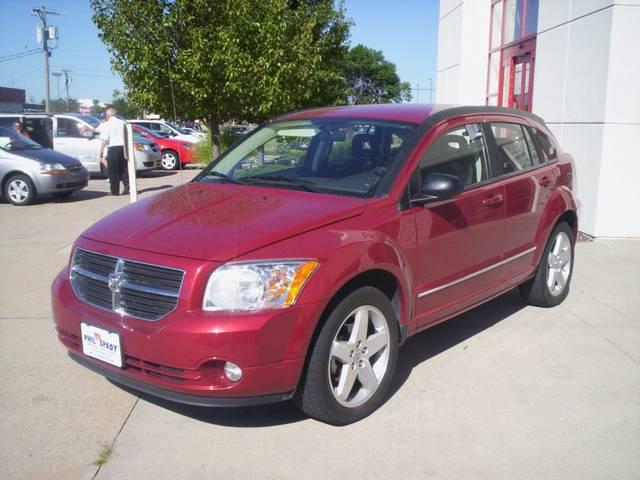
546 181
493 201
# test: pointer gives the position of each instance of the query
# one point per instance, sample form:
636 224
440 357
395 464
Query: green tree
59 105
223 59
124 106
373 79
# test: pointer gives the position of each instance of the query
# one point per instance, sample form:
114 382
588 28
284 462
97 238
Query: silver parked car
27 170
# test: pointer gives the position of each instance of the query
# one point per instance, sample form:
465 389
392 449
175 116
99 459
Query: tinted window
459 152
68 128
511 148
533 151
546 145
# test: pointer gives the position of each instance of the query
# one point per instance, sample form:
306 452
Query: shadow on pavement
77 196
415 351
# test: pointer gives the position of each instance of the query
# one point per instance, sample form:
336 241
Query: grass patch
103 457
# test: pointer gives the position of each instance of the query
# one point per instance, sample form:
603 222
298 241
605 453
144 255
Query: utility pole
67 81
430 90
57 75
45 33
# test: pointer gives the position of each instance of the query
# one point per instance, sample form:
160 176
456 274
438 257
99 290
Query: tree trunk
214 128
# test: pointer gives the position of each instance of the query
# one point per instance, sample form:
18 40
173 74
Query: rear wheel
550 286
169 160
20 190
353 360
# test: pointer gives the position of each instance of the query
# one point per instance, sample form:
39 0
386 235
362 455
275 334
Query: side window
533 151
68 128
461 152
546 145
164 129
511 148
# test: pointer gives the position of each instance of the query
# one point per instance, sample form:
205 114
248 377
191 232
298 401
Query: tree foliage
59 105
373 79
224 59
124 106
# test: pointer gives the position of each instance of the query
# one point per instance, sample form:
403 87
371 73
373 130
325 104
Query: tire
19 190
169 160
551 284
337 360
62 195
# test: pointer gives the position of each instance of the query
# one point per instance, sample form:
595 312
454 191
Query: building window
512 53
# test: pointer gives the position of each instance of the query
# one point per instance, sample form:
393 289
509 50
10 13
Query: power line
16 56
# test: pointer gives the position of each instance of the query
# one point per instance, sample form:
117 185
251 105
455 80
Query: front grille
140 290
74 168
72 184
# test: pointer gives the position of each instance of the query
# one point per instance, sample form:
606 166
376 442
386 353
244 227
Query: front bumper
62 182
172 396
182 355
147 160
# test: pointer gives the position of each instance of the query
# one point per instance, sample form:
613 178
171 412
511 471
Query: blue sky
406 32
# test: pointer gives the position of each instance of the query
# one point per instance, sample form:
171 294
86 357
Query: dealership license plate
101 344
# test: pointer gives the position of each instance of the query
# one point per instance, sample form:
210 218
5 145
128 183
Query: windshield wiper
222 176
297 182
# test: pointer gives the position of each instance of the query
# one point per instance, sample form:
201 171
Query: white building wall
463 43
586 86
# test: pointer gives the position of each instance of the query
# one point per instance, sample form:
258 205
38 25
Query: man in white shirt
112 133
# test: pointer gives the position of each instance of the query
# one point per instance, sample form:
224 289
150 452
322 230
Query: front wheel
550 286
169 160
20 190
353 360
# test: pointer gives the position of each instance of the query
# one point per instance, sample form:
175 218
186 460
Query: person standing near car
112 133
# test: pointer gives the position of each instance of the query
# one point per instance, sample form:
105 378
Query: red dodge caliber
296 264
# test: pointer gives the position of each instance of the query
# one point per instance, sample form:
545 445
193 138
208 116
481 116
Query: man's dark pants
117 169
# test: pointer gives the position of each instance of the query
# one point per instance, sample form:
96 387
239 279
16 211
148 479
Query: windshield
90 119
339 156
146 130
12 140
177 128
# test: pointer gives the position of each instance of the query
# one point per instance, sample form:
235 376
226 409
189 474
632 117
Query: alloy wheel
168 161
18 190
359 356
559 264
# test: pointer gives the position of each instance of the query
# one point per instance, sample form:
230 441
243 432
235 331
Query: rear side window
546 145
512 152
461 152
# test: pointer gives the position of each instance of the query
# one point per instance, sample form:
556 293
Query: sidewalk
502 392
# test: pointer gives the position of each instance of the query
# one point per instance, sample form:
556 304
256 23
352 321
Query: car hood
46 155
218 222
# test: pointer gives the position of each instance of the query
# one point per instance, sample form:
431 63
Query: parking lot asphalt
501 392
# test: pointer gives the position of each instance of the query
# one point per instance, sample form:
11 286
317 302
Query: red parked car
174 152
296 264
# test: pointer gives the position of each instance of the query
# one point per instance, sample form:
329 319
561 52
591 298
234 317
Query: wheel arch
10 174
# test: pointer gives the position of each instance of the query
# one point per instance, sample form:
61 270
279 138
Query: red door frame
522 53
509 53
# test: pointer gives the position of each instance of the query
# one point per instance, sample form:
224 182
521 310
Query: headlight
257 286
140 147
52 168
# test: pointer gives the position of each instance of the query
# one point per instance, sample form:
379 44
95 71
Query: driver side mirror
88 134
438 186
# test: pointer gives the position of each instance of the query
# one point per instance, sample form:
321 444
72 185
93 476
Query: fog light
232 371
